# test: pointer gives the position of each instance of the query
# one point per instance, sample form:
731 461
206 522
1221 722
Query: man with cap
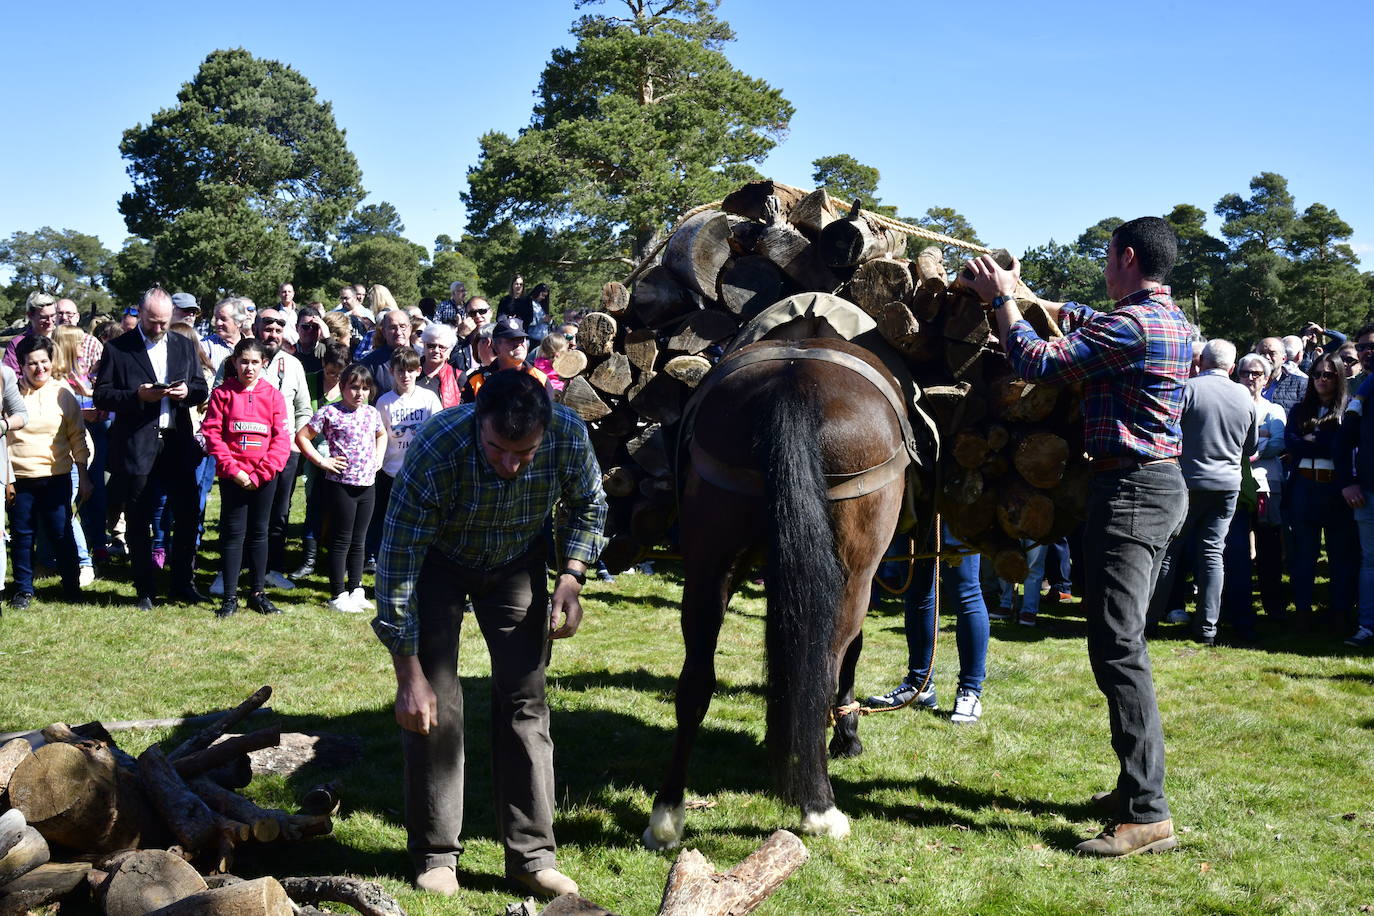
511 346
42 310
185 309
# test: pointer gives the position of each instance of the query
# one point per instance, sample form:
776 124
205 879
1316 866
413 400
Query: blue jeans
970 622
1237 604
93 511
1364 519
1317 512
1058 565
1036 555
1209 517
1132 514
43 503
205 479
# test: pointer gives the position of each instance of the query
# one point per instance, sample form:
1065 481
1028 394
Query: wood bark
1041 458
689 370
813 213
641 348
1018 401
259 897
928 270
366 897
264 824
12 753
581 397
596 334
749 201
570 364
615 299
698 250
945 404
744 235
901 329
966 321
749 284
658 298
694 888
48 883
209 736
612 375
148 880
12 825
71 794
849 242
1011 565
701 330
30 852
195 826
879 282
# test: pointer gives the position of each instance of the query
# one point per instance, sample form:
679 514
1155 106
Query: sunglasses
570 337
475 312
274 322
1253 373
1327 374
1350 360
1364 346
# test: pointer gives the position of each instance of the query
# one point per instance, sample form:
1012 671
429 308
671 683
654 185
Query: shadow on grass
656 686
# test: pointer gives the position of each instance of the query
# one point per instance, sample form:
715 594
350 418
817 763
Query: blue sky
1033 120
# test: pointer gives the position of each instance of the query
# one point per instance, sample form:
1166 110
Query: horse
797 454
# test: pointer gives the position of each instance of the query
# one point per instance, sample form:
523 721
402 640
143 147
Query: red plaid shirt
1134 360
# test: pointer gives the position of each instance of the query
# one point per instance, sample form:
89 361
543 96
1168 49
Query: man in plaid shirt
1133 361
466 521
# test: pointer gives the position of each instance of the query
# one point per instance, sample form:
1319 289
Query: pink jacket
246 431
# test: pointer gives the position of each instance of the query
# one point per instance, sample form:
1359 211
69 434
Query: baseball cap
508 327
186 302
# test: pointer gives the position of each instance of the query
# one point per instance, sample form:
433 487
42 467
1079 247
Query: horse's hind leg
714 542
845 742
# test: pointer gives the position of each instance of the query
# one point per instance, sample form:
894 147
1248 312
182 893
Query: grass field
1271 756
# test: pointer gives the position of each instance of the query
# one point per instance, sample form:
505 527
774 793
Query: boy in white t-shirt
404 409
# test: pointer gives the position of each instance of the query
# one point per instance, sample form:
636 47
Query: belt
1320 475
1124 463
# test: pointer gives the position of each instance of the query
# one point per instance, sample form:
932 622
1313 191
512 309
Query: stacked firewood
140 833
1012 467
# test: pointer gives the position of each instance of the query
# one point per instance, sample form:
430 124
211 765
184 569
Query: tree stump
148 880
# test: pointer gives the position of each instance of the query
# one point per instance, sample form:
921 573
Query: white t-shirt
403 417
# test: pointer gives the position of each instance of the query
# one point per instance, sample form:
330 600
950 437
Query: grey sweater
1218 431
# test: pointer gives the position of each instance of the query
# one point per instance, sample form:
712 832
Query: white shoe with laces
359 599
277 580
86 576
968 708
343 603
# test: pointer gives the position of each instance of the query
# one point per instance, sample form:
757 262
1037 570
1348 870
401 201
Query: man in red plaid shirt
1133 361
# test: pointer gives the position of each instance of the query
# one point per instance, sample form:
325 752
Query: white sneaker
343 603
277 580
217 587
359 599
86 576
1178 615
967 707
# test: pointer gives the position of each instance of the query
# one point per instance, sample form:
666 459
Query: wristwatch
580 577
1000 301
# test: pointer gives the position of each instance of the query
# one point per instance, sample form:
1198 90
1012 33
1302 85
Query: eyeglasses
570 337
1364 346
1350 360
1252 373
1327 374
475 312
274 322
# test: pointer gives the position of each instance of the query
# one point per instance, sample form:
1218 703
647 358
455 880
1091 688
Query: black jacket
133 434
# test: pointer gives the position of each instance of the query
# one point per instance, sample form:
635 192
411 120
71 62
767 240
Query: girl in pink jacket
246 433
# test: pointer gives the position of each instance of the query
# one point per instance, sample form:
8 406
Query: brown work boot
1106 802
1129 839
546 883
442 879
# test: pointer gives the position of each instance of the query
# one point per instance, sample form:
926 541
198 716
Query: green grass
1271 756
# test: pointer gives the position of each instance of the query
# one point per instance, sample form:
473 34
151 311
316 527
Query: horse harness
840 486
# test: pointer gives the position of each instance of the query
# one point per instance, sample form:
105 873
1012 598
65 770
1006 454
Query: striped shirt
1133 361
448 498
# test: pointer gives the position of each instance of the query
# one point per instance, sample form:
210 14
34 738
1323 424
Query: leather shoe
190 595
227 607
145 604
1129 839
442 879
547 882
259 602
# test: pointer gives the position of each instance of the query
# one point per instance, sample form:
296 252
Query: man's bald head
155 313
68 312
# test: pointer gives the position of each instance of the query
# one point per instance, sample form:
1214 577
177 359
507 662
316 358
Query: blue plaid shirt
448 498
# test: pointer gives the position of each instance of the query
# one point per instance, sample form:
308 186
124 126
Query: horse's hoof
831 822
840 748
665 827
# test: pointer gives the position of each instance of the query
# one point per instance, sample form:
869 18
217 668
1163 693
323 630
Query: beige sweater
54 435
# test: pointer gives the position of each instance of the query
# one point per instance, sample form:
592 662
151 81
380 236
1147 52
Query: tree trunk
698 250
46 884
750 200
209 736
364 896
195 826
878 282
695 889
30 852
264 824
259 897
1041 458
581 397
148 880
748 285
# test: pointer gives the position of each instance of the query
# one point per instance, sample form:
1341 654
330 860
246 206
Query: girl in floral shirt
356 437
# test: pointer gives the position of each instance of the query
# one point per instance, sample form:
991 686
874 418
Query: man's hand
417 708
465 326
989 280
1354 496
177 392
150 393
567 604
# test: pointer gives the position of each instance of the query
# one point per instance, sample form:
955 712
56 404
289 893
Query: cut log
966 321
744 235
997 436
563 905
235 774
621 422
325 798
195 826
748 285
901 329
619 482
570 363
813 213
641 347
48 883
927 305
1041 458
659 299
1019 401
264 824
1004 260
928 270
689 370
581 397
879 282
148 880
963 486
1011 565
301 826
850 242
70 793
226 750
30 852
970 449
968 523
945 404
698 250
12 826
596 334
661 399
615 299
1025 513
965 362
12 753
787 249
749 201
612 376
259 897
694 887
650 452
209 736
366 897
701 330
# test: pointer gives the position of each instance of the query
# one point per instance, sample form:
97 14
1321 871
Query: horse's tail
804 585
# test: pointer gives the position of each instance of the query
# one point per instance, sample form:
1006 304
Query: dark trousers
1319 514
347 512
1131 516
1058 568
1209 517
43 503
374 531
243 521
510 604
178 478
281 514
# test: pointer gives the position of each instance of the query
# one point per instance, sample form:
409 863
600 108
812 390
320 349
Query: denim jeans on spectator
1318 513
92 511
205 479
1237 601
43 503
1058 566
1209 515
1132 515
970 621
1036 555
1364 519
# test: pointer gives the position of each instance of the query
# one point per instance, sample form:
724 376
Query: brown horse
797 454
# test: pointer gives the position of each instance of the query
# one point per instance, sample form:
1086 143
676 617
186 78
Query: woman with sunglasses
1313 502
